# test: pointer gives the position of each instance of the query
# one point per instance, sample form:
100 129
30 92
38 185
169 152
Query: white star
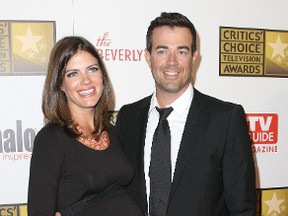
42 46
30 54
29 41
279 59
278 47
43 59
274 204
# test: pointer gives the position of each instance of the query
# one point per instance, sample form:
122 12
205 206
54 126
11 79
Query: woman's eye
93 69
72 74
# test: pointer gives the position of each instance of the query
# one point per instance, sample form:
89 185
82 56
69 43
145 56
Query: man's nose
172 59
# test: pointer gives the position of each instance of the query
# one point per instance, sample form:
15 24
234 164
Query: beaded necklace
91 142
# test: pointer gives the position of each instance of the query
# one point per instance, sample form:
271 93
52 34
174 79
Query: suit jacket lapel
194 119
141 123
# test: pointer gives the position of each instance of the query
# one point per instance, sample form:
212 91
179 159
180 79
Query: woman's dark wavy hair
170 20
54 102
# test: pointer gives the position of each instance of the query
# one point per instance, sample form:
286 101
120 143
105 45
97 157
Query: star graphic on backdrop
29 41
274 204
283 207
279 59
43 59
42 46
30 54
278 47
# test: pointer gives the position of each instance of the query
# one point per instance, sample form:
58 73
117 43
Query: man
211 159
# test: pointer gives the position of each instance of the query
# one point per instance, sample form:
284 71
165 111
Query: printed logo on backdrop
274 202
108 52
263 131
25 47
253 52
16 143
13 210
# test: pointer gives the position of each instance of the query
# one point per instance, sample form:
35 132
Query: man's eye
161 52
182 52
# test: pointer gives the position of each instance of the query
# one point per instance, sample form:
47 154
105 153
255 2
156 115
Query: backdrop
243 59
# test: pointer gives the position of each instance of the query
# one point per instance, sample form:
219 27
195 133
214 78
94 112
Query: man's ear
147 57
195 55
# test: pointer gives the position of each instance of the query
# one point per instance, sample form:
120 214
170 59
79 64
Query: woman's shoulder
50 128
50 133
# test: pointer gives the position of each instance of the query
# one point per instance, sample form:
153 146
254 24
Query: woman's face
82 82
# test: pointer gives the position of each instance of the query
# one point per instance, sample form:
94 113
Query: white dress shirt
176 120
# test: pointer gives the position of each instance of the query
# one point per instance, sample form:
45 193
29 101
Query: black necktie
160 166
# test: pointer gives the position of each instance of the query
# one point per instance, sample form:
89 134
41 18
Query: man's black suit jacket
214 173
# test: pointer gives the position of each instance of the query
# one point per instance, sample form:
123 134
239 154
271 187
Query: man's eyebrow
162 47
184 47
179 47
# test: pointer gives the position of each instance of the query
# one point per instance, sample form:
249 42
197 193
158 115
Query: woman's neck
85 121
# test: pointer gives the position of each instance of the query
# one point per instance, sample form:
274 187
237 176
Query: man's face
171 60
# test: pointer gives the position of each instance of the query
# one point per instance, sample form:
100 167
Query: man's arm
238 167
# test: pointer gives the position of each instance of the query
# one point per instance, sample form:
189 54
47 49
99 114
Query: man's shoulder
212 101
142 103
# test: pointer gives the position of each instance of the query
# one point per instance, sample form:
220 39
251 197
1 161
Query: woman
77 166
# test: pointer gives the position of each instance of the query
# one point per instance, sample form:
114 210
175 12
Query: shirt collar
179 105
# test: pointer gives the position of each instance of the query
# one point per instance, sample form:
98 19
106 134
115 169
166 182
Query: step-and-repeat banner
243 59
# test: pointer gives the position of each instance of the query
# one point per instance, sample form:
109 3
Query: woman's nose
85 79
